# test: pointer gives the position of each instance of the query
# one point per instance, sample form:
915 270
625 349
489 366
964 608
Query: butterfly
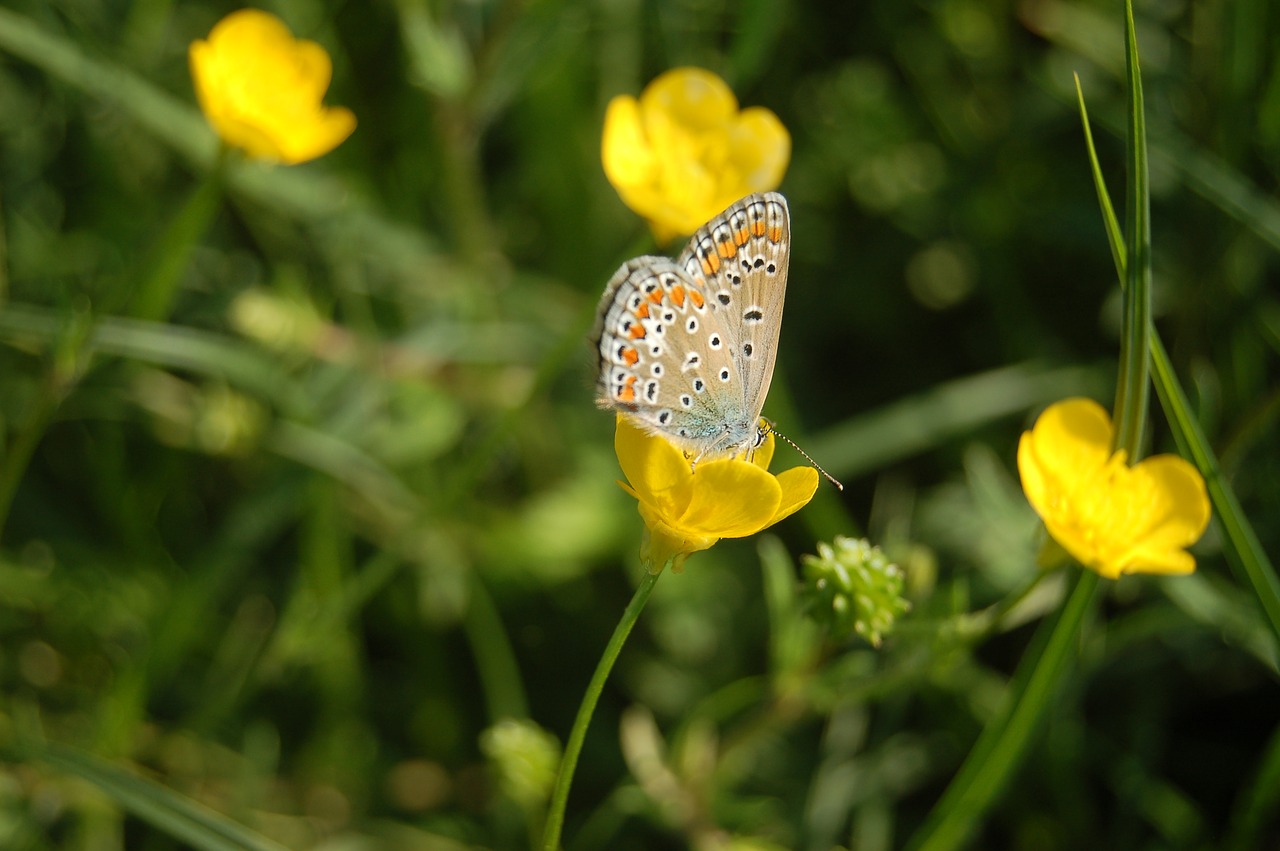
687 346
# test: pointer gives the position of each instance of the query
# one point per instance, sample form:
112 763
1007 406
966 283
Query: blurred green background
293 550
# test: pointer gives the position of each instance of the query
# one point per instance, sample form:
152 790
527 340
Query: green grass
302 488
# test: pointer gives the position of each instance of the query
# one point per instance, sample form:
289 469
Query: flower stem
14 461
1000 748
495 660
568 762
170 256
1003 741
67 363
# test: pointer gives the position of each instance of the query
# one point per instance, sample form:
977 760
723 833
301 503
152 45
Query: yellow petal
1178 514
656 469
663 543
311 71
761 148
798 484
731 499
317 137
624 148
693 97
1069 440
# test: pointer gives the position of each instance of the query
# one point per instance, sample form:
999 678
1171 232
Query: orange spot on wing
758 228
775 234
727 249
656 296
741 237
629 357
677 295
627 392
643 310
696 298
710 263
636 332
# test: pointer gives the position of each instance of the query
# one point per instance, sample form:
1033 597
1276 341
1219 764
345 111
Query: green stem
168 259
1000 747
569 762
14 462
495 660
70 344
1004 739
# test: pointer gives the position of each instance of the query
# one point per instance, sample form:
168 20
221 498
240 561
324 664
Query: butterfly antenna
807 457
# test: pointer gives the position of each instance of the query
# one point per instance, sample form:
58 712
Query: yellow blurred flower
1110 517
683 151
261 89
687 509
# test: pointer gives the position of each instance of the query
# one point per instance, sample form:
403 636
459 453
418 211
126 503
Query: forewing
740 259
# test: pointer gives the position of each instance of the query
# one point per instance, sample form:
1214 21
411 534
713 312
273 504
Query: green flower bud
524 758
853 588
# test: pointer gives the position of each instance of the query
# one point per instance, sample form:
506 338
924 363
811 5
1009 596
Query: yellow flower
1110 517
683 151
688 508
261 89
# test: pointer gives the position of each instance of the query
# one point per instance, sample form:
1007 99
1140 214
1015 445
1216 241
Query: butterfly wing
687 347
741 258
664 358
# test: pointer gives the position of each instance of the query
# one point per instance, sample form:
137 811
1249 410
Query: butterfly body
687 346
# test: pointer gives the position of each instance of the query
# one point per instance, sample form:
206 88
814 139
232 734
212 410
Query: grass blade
177 815
1133 384
1241 545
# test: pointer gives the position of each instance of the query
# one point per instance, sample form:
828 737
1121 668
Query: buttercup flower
261 89
689 509
683 151
1110 517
